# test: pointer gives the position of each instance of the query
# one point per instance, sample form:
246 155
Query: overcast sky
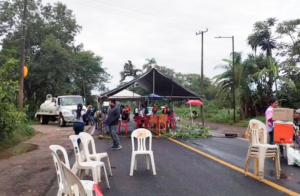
165 30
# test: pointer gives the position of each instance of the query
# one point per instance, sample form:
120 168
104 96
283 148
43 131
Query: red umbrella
194 102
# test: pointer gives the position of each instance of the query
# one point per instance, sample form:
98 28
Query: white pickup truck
62 108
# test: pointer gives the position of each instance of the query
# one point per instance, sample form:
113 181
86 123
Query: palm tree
262 36
150 63
224 82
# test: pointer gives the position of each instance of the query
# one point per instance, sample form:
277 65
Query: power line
221 59
157 16
133 16
147 19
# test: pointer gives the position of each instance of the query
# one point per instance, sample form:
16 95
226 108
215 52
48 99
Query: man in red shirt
154 110
128 108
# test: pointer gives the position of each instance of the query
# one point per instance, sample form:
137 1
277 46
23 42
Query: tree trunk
255 109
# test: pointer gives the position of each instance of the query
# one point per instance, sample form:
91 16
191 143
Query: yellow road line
272 184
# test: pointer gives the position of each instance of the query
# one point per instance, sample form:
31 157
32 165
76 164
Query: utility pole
202 93
233 76
22 51
233 79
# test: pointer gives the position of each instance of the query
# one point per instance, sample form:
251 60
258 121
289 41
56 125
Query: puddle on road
196 144
282 176
17 150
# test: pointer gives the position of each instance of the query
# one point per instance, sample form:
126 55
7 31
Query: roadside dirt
223 128
32 173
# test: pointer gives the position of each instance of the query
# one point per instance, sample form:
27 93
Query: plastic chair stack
123 123
141 135
86 165
139 122
259 149
163 122
68 183
154 122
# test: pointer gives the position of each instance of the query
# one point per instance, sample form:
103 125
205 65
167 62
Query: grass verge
15 144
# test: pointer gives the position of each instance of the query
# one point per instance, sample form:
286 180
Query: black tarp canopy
157 83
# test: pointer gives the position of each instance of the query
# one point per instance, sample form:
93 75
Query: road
234 152
180 171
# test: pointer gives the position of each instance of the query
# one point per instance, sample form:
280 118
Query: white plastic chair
142 135
94 166
259 149
77 187
86 139
63 188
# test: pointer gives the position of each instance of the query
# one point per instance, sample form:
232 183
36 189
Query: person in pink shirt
269 118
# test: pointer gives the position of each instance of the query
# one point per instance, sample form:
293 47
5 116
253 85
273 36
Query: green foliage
150 63
214 112
12 121
192 131
129 71
56 65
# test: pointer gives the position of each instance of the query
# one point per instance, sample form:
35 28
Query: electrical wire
133 16
159 16
220 60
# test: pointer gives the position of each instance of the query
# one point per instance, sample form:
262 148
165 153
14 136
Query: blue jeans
271 137
113 131
78 127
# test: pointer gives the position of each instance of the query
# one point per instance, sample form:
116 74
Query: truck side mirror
58 101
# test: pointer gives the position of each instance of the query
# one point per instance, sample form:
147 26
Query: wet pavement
234 151
181 171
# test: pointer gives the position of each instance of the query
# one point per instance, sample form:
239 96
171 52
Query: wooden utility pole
22 51
202 92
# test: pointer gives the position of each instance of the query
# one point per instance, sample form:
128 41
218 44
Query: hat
298 111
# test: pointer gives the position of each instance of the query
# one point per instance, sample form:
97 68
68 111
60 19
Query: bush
12 121
192 131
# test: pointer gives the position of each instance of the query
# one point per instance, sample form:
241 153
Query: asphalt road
179 172
234 151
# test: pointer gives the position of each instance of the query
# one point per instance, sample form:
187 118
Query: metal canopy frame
157 83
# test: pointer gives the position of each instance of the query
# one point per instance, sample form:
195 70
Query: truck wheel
62 122
44 120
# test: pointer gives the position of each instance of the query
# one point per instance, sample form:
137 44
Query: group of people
144 111
112 119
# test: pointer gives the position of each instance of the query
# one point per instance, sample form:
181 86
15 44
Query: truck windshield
71 101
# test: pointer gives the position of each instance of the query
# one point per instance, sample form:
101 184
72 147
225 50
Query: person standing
154 110
79 121
166 110
90 115
136 112
269 118
269 122
128 108
146 110
112 123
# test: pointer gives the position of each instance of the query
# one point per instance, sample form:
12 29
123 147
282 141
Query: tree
169 72
129 71
56 65
150 63
262 36
291 49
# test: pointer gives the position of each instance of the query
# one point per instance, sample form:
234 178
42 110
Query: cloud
119 34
